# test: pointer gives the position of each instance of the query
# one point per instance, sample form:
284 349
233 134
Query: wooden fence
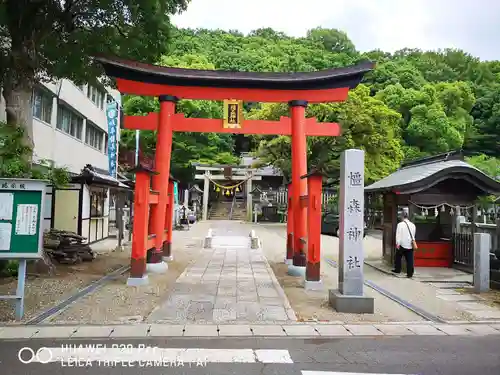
280 197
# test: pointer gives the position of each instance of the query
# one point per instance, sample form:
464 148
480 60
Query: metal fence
463 243
463 257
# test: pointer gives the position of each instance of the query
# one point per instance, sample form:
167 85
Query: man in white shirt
405 235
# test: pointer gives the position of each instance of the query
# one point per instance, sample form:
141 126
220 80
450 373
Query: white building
69 124
70 130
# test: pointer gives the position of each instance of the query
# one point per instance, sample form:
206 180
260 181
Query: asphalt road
424 355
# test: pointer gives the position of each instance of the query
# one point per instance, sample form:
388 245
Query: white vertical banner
352 202
112 113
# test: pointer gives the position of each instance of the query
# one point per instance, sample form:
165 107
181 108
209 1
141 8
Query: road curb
298 330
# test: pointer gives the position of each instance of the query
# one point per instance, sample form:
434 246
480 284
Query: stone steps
221 211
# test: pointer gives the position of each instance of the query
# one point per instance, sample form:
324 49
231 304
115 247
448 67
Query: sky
389 25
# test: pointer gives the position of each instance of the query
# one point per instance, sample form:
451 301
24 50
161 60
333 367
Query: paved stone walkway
230 283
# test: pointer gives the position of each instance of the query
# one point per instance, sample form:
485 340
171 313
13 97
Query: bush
8 268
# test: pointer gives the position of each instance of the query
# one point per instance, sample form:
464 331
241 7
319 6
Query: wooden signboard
233 114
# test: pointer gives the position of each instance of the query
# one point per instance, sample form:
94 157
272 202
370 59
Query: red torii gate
172 84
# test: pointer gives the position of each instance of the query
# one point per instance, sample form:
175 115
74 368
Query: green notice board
21 218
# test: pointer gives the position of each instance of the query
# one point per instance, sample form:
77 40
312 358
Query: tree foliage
48 39
415 103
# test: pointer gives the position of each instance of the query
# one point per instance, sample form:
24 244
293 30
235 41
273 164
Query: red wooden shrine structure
172 84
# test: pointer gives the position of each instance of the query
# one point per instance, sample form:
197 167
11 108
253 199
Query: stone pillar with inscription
349 298
206 192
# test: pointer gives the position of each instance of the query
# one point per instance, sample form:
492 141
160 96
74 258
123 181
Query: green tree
333 40
485 135
435 118
488 165
46 39
367 123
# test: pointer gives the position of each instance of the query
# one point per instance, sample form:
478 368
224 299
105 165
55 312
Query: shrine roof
98 177
424 173
324 79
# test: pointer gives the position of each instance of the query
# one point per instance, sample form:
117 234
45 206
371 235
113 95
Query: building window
97 199
42 105
69 122
106 143
97 96
94 136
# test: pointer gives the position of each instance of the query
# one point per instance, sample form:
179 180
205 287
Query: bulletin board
21 218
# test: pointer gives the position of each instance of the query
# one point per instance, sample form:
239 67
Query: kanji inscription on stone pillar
351 223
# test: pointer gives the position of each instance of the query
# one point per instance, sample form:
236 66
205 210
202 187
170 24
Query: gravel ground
116 302
314 305
44 291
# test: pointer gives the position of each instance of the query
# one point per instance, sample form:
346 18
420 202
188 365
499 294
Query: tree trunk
19 110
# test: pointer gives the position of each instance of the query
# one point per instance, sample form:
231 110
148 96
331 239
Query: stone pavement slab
55 332
93 331
332 330
425 329
363 330
458 297
208 330
229 283
455 329
268 330
18 332
300 330
482 329
164 330
393 329
485 314
136 330
235 330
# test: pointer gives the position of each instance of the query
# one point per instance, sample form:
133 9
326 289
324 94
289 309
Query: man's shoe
394 271
409 277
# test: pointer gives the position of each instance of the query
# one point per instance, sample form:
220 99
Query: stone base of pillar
160 267
254 243
351 304
138 281
288 261
296 270
207 242
313 285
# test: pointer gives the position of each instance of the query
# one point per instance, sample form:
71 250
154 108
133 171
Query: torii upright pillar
161 182
299 186
169 223
289 227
